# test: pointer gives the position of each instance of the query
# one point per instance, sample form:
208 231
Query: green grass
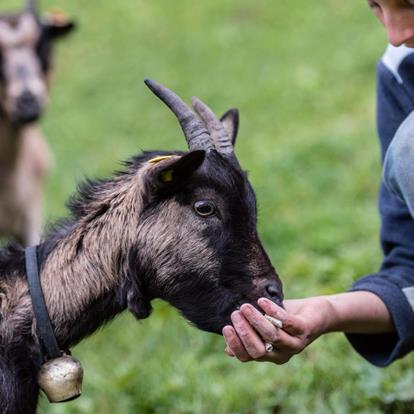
303 78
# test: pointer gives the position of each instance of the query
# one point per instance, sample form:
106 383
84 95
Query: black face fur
227 265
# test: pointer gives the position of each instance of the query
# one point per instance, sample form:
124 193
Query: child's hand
303 321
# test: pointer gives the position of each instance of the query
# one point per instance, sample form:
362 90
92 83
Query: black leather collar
43 325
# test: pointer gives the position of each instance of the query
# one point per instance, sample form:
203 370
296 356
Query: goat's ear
57 24
169 174
230 121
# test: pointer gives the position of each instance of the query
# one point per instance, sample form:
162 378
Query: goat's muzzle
271 288
274 293
27 109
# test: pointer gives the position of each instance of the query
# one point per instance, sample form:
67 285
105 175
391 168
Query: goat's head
198 241
25 61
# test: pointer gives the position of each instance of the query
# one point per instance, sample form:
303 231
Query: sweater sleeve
394 283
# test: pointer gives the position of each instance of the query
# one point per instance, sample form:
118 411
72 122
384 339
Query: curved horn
196 134
219 135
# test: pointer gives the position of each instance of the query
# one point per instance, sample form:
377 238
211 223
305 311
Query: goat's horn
195 132
31 6
219 136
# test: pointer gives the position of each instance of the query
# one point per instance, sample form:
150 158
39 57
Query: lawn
303 77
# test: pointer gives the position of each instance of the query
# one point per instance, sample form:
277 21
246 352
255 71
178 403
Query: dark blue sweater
394 283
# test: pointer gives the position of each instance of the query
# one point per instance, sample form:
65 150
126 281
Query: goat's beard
207 304
207 310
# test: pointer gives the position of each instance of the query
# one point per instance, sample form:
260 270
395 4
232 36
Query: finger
282 353
291 323
251 341
235 345
277 356
265 329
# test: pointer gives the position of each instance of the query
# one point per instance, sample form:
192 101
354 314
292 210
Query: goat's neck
81 294
10 137
82 277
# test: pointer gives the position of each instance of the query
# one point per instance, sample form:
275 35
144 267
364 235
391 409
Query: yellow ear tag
166 176
159 158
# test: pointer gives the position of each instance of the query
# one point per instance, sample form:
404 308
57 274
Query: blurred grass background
303 76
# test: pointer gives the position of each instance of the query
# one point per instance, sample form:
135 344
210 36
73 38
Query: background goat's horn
31 6
195 132
219 135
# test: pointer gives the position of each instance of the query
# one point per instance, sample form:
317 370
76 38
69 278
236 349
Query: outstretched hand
303 321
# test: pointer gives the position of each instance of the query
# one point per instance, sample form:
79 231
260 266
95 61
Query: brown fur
15 307
95 271
24 161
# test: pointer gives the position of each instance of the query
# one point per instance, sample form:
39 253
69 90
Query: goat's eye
204 208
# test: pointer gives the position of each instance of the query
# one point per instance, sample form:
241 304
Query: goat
180 226
25 72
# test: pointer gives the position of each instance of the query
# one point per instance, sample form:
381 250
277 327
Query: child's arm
304 320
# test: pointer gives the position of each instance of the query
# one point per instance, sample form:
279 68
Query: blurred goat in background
25 71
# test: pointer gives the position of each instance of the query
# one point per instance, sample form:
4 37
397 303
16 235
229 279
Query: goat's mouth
214 321
20 119
277 301
225 316
211 310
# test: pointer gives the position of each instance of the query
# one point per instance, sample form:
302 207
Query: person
377 313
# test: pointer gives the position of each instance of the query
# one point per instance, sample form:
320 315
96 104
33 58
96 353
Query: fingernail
265 300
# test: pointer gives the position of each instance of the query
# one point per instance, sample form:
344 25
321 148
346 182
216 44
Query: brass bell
61 379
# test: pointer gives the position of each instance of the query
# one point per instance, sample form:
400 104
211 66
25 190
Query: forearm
357 312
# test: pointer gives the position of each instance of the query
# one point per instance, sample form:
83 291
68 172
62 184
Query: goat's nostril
27 101
272 290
